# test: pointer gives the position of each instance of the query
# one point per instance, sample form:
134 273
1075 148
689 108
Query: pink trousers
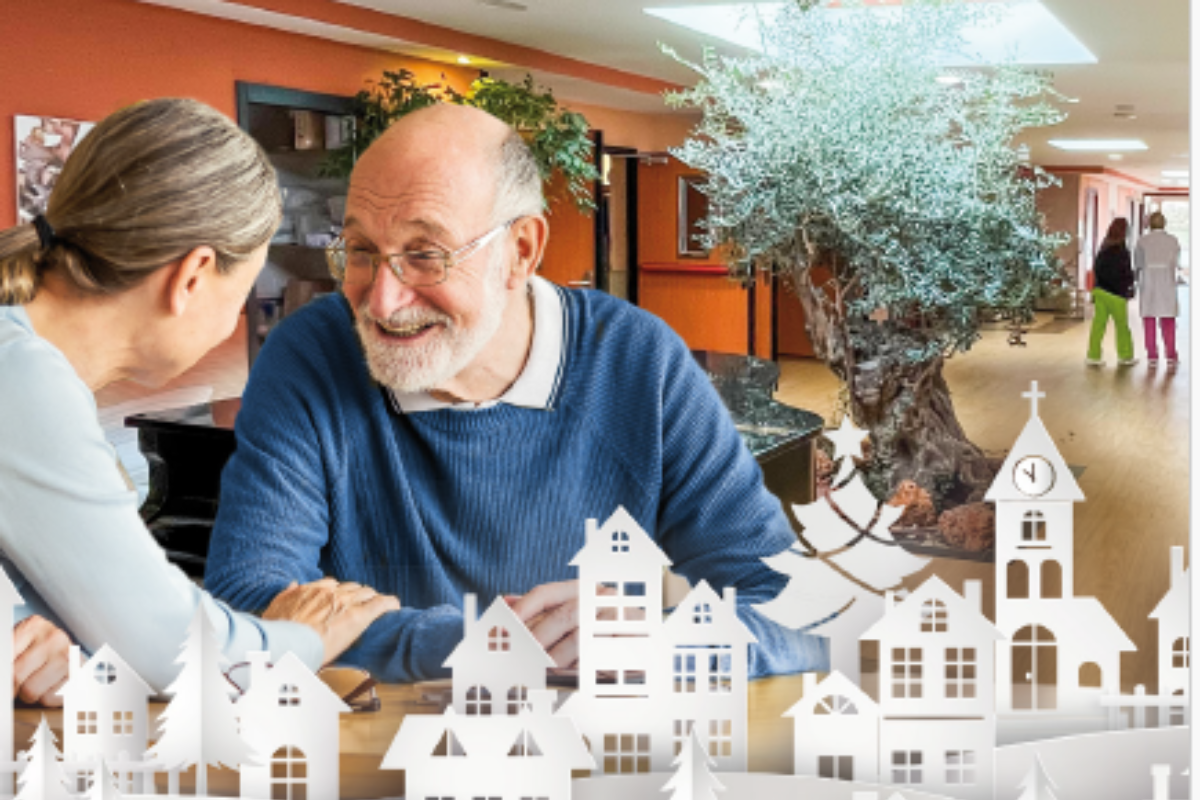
1168 334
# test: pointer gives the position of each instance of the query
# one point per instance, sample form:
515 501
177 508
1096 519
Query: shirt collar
537 385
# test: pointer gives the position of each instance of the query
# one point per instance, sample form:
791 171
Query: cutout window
498 640
289 695
518 699
86 722
289 774
685 673
960 767
683 732
720 738
1181 653
637 589
448 746
837 767
906 672
702 614
122 723
961 673
105 673
1033 527
479 702
720 671
906 768
620 542
933 617
524 746
836 705
626 753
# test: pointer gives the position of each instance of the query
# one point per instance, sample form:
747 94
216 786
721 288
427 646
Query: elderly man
491 415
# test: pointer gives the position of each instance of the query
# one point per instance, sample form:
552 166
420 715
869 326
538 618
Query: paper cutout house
104 716
1063 652
937 718
645 684
290 717
497 664
1174 640
836 730
527 755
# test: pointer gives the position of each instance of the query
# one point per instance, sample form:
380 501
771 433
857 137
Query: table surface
365 738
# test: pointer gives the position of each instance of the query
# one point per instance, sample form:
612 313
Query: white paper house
497 664
836 730
290 718
104 715
1174 639
645 683
937 723
527 755
1063 652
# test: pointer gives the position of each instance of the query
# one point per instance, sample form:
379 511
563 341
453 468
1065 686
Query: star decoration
847 439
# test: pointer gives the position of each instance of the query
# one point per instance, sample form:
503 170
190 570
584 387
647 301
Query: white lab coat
1155 265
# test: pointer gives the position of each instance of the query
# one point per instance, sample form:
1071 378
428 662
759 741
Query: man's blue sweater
329 479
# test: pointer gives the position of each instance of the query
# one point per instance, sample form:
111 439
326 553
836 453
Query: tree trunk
905 404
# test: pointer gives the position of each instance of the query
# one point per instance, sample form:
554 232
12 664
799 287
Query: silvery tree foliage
895 203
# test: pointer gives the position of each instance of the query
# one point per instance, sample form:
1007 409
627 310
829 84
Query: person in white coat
1156 265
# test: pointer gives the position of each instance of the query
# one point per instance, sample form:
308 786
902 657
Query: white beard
419 368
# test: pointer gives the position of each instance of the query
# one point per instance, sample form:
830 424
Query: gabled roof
1035 440
904 619
1089 614
83 675
520 641
598 549
726 627
834 684
8 593
488 737
291 671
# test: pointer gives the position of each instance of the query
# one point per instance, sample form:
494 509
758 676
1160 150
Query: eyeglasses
354 686
353 266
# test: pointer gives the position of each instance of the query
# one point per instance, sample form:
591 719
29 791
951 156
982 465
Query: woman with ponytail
153 236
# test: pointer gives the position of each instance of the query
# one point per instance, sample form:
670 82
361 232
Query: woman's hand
41 661
338 612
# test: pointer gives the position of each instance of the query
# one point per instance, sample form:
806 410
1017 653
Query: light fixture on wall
464 60
1093 145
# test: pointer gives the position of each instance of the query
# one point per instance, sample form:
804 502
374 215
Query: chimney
74 662
809 686
470 615
973 592
589 532
1176 567
889 602
730 596
258 667
541 701
1161 773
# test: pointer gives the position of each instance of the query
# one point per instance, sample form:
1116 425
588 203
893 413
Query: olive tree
888 190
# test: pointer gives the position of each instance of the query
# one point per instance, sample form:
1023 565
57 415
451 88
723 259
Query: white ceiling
1141 47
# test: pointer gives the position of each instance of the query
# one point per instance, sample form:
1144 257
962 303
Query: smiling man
448 423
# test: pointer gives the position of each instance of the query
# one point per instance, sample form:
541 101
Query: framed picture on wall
43 144
693 211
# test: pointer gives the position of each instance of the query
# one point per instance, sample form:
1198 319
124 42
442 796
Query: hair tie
45 231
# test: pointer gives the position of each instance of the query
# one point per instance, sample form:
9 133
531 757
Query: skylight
1102 145
1029 34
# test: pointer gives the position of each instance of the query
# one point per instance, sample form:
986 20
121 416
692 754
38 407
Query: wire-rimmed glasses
353 266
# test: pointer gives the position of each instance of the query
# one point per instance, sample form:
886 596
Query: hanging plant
557 137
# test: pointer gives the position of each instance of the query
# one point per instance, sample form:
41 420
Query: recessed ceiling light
1071 100
1175 173
1115 156
1092 145
464 60
1027 33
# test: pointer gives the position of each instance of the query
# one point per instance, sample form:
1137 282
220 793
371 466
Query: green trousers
1109 305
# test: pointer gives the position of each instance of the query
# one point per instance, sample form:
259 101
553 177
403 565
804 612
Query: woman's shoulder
38 378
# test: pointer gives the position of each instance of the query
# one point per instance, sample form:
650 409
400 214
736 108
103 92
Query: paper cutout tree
845 562
104 785
43 777
199 725
693 778
1037 784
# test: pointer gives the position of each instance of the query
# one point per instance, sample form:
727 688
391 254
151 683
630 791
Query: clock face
1033 476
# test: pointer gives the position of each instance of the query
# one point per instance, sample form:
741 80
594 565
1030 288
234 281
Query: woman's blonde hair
144 188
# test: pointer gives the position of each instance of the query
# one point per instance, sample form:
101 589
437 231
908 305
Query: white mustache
406 317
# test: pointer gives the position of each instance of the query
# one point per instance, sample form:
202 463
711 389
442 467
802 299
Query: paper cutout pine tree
104 785
199 726
1037 784
43 777
693 779
846 561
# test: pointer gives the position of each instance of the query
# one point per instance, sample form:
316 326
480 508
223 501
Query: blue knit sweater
328 479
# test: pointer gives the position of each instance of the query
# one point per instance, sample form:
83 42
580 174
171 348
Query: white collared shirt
537 385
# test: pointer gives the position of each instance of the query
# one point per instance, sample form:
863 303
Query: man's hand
338 612
41 661
551 612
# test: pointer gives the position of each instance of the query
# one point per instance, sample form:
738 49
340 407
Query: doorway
1034 669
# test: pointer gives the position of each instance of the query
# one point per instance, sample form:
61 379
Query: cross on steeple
1033 395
